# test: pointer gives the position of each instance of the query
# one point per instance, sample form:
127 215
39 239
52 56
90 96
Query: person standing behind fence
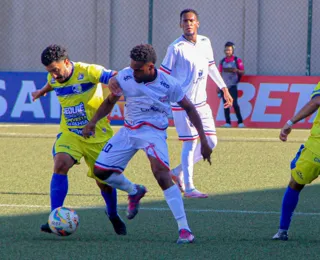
231 68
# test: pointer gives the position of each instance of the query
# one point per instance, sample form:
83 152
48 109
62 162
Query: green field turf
246 182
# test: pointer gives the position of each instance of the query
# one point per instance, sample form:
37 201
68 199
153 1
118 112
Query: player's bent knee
163 178
62 163
102 174
104 187
294 185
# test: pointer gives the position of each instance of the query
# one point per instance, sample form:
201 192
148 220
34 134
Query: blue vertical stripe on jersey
294 161
53 148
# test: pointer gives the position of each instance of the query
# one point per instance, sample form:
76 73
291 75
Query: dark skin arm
196 121
104 109
311 107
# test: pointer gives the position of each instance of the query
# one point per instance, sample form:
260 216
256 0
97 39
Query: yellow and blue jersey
80 98
313 142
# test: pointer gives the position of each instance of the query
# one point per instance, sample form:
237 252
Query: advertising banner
265 101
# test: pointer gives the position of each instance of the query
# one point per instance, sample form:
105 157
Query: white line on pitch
223 139
250 212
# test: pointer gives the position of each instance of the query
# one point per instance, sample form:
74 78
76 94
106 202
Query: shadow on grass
230 226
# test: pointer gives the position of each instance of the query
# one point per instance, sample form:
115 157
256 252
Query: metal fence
273 37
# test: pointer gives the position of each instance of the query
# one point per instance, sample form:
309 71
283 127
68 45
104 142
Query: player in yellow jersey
77 86
305 167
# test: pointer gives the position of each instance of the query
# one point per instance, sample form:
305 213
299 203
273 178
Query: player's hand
89 130
285 131
227 97
36 94
114 87
206 151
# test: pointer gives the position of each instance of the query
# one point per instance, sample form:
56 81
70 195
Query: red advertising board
267 101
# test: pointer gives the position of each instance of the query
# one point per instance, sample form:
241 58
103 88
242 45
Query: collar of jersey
192 43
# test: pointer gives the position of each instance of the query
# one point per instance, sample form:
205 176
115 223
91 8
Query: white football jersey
188 62
148 103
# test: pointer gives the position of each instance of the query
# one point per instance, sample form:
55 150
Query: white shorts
119 150
185 128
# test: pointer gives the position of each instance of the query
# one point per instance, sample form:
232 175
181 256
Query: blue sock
289 203
58 190
111 202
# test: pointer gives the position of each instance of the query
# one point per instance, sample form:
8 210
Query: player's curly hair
53 53
144 53
189 10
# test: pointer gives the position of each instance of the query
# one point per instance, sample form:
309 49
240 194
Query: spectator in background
231 68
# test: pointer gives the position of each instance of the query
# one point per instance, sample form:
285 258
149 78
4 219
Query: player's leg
289 203
109 194
304 169
234 94
110 164
189 135
65 154
191 150
159 161
59 182
187 162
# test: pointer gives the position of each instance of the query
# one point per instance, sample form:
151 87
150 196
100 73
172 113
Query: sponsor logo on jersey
300 175
163 99
164 84
126 78
80 76
75 115
52 81
154 109
200 76
76 88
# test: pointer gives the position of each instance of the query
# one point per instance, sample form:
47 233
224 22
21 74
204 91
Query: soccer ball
63 221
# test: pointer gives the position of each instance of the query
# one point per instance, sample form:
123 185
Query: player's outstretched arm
41 92
311 107
104 109
194 117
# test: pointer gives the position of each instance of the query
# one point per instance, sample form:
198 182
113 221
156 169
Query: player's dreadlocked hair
189 11
53 53
144 53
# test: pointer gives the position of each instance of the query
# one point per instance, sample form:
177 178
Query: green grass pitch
246 181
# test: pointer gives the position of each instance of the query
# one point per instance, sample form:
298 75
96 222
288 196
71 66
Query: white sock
175 203
119 181
197 156
187 155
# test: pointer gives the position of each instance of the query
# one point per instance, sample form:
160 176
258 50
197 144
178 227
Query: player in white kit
190 60
148 94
